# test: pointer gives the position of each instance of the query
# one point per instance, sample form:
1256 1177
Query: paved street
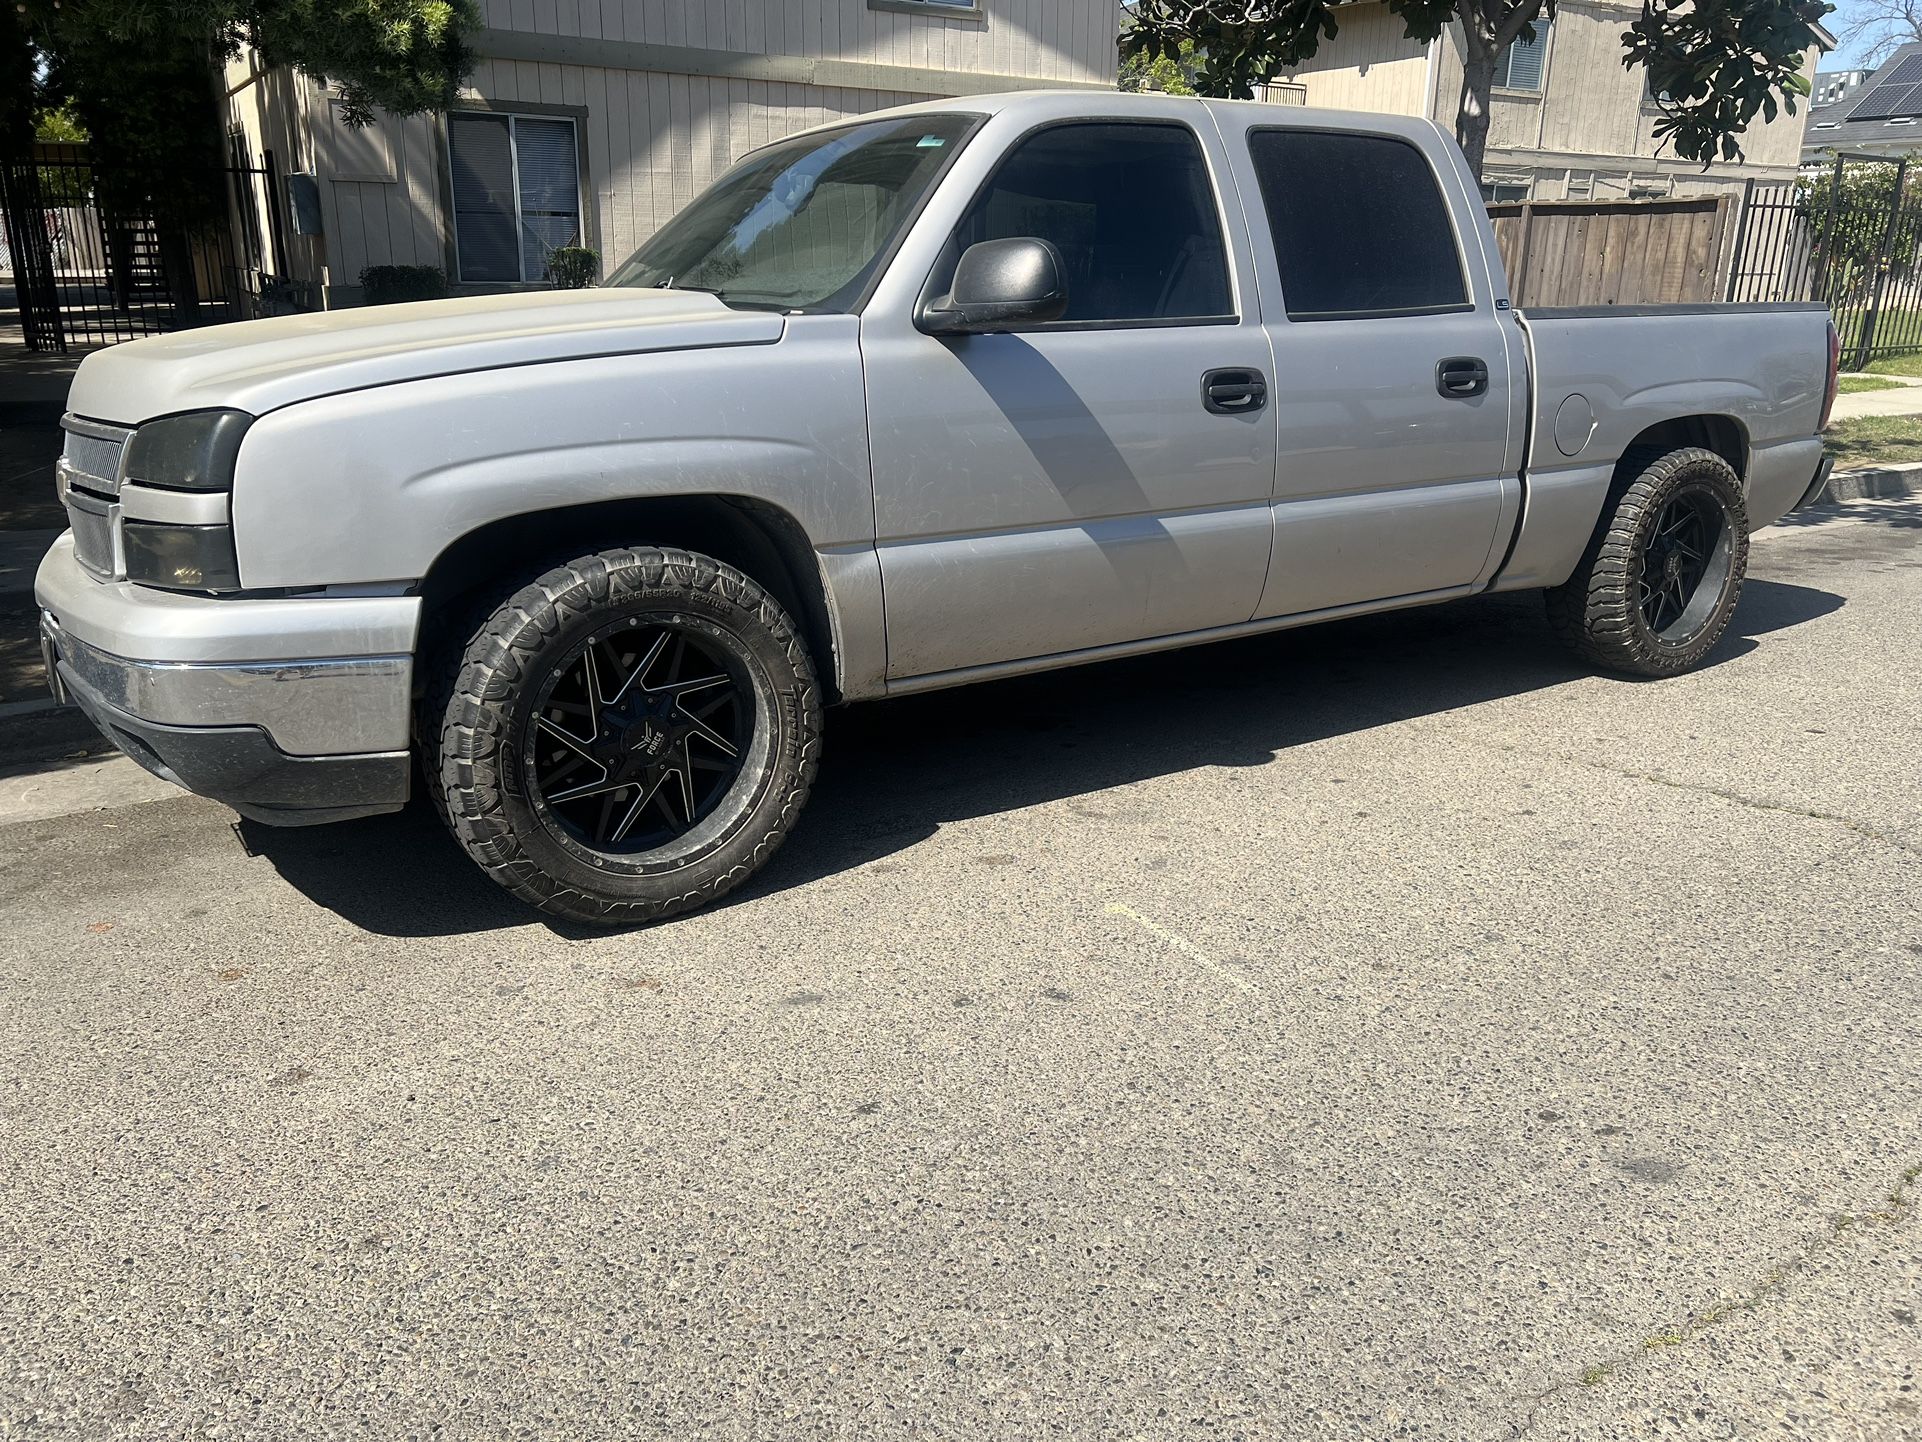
1386 1030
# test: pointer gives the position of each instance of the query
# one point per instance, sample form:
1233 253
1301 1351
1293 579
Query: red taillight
1835 377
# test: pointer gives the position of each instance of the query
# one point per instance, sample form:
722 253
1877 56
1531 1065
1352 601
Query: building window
1497 192
971 8
1520 66
517 193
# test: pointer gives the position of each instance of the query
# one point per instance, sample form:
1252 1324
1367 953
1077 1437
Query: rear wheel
1657 585
629 736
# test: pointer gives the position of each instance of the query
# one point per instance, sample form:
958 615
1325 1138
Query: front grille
92 454
90 468
92 522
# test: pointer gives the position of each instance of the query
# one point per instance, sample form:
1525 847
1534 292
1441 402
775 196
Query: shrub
387 284
573 267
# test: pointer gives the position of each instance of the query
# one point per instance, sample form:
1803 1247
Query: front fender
368 486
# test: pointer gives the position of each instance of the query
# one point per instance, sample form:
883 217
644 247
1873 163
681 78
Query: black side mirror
999 284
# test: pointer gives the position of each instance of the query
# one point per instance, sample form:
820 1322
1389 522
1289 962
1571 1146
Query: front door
1071 486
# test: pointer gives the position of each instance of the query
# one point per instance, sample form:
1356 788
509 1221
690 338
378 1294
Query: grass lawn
1855 385
1899 365
1874 440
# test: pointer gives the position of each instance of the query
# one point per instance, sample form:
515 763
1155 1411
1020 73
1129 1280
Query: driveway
1384 1030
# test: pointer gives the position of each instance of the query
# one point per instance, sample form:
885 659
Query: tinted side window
1131 211
1359 225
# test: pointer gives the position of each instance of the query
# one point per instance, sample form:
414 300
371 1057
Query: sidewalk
1905 399
33 392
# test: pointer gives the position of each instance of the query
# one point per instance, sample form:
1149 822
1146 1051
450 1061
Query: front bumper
317 732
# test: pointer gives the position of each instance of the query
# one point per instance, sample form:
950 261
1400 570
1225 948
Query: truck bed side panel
1605 376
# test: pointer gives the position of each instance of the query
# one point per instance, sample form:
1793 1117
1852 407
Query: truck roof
1043 104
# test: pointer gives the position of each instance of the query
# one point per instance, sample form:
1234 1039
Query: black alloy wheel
638 737
627 736
1686 550
1659 580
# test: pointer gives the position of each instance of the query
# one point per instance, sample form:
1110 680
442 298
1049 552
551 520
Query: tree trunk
1479 55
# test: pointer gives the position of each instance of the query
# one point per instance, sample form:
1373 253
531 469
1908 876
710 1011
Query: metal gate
89 272
1851 237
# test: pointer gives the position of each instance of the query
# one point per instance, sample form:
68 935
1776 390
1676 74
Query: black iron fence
90 271
1849 236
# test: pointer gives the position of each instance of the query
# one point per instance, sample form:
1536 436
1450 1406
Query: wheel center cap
1673 565
648 739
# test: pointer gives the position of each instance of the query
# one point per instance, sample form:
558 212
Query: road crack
1860 828
1895 1208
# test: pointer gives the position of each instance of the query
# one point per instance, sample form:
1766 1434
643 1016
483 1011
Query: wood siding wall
1658 252
1592 116
1039 39
1591 104
653 138
655 141
1370 65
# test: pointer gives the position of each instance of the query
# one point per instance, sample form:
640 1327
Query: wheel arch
761 540
1722 434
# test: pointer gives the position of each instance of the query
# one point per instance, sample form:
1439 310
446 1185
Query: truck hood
260 365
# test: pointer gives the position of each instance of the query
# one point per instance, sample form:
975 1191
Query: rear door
1399 376
1077 484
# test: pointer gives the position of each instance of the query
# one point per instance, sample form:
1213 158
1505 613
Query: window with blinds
517 193
1520 67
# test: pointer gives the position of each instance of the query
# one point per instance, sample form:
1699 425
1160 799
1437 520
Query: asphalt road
1386 1030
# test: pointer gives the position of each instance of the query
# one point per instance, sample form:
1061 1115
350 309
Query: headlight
180 558
191 452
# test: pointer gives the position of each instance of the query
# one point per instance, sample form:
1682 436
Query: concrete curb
1872 483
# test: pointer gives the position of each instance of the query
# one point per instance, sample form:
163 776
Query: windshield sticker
927 140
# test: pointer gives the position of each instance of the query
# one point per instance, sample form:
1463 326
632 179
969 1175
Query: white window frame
946 9
513 119
1542 28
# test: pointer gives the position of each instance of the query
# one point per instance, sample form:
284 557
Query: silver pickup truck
947 393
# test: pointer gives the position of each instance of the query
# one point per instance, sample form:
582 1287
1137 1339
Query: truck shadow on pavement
894 772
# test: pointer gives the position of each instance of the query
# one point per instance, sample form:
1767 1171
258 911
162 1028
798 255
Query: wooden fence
1603 252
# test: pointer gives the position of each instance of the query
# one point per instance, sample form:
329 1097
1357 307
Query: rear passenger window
1359 223
1130 209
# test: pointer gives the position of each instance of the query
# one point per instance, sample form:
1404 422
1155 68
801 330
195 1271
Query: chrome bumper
307 708
318 731
321 675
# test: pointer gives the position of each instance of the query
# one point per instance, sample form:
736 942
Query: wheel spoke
639 670
585 789
642 795
686 774
566 738
714 738
683 689
709 707
596 698
607 810
567 766
591 750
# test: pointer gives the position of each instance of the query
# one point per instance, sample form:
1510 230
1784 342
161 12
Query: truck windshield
802 224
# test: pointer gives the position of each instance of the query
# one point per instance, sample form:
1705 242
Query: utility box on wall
303 200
